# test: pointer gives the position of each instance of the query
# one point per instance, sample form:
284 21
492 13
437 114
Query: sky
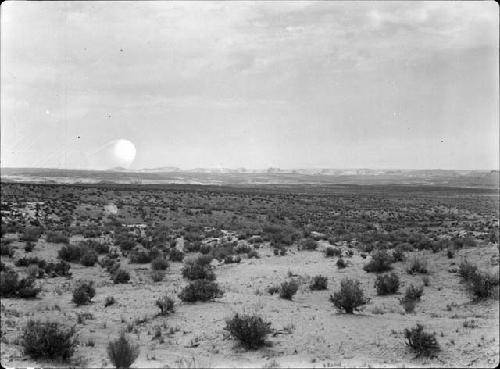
383 85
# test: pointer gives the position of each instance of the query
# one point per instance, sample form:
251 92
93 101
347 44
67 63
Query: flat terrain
308 330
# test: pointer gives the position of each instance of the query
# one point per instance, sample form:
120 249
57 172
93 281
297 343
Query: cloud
284 64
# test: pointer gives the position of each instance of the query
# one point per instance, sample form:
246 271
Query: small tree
121 352
350 297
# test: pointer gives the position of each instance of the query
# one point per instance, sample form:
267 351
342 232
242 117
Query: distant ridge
242 176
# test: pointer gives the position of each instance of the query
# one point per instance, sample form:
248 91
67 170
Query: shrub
483 285
232 259
205 249
62 268
100 248
11 286
166 305
30 234
416 265
423 343
29 246
6 249
318 283
140 256
242 249
159 264
26 261
466 270
83 293
253 254
26 290
70 253
398 254
381 262
414 293
341 263
176 255
110 300
387 284
333 251
197 269
426 280
350 297
121 352
309 244
89 258
288 289
48 340
33 271
200 290
157 275
57 237
408 305
250 330
273 289
121 277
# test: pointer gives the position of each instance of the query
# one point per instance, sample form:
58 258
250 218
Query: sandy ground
311 332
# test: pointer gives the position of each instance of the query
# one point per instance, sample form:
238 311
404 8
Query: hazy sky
243 84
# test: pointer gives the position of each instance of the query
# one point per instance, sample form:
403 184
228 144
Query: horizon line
249 169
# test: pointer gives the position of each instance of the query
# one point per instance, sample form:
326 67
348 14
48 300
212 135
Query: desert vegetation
315 273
